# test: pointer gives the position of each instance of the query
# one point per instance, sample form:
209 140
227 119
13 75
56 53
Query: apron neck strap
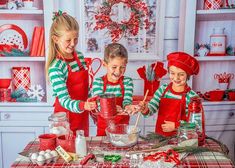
75 57
120 82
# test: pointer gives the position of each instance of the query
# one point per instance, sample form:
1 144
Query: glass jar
58 124
187 135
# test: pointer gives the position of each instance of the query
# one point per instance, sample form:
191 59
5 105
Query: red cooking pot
214 95
231 95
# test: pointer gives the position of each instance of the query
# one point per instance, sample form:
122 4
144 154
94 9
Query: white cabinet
198 26
19 126
13 140
26 19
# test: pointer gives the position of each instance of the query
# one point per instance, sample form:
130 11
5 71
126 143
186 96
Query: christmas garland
138 17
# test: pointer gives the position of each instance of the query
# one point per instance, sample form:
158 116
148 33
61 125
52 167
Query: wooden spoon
132 134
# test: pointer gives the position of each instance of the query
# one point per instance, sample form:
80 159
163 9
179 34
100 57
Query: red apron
171 110
77 85
102 123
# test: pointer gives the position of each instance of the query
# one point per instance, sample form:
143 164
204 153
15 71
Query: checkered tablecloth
206 159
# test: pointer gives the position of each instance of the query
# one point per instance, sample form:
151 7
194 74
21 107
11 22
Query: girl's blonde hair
115 50
61 23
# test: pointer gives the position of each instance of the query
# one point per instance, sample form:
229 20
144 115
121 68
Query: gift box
21 77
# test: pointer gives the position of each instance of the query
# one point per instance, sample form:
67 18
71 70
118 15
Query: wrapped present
21 77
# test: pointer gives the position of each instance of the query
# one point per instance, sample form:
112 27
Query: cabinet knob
7 116
231 114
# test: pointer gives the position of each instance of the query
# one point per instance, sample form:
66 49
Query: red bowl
5 83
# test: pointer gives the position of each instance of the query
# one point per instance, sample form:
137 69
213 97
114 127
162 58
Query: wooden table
206 159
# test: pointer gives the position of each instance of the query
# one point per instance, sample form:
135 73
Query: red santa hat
183 61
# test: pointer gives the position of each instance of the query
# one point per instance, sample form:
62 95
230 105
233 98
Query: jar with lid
58 124
187 135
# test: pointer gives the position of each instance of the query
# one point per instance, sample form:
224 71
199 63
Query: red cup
67 144
214 95
231 96
47 141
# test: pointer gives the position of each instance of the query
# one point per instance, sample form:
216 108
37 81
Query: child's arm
128 91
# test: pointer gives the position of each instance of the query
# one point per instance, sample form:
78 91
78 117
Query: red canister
107 105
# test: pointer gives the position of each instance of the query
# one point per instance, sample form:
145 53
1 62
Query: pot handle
206 96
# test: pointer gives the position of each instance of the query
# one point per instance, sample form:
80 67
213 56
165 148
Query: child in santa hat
171 100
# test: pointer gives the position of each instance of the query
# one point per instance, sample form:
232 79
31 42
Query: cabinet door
13 140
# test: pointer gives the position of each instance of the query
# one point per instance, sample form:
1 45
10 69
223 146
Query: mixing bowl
122 135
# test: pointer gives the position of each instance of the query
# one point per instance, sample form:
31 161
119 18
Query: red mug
47 141
214 95
231 95
67 144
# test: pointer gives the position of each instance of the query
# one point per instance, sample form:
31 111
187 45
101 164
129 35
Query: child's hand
120 111
90 105
131 109
169 126
143 108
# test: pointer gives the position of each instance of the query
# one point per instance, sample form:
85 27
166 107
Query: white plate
23 8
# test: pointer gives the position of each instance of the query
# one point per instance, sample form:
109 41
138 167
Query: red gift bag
21 77
152 86
213 4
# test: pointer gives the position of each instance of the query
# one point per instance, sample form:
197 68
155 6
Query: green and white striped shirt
153 105
58 74
98 89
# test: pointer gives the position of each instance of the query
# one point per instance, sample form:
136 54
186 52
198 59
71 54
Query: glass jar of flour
58 124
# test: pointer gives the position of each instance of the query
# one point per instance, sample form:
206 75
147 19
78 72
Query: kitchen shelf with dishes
25 58
215 15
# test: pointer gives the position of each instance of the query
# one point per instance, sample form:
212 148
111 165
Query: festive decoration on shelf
59 13
21 77
20 95
14 52
152 76
36 91
139 16
213 4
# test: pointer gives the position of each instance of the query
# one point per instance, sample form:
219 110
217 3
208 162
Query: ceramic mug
47 141
214 95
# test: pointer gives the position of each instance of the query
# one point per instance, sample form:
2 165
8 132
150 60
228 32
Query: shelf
21 14
24 104
216 58
218 102
216 15
28 59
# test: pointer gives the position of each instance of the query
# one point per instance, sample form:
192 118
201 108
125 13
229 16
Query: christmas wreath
139 14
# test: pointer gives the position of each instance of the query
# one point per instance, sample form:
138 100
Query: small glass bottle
187 135
80 143
58 124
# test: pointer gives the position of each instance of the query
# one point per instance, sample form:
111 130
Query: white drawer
24 116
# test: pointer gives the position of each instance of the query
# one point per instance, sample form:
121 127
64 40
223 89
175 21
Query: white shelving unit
198 26
24 121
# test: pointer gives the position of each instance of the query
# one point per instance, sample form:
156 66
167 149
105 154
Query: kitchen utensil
118 135
132 135
47 141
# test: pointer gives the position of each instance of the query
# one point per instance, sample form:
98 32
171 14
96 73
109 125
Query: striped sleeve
128 91
58 73
97 87
153 105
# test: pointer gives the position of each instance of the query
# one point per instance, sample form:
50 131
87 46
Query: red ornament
138 17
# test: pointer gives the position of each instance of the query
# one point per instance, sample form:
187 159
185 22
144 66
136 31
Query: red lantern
196 115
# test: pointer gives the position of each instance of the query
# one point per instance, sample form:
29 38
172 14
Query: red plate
18 30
